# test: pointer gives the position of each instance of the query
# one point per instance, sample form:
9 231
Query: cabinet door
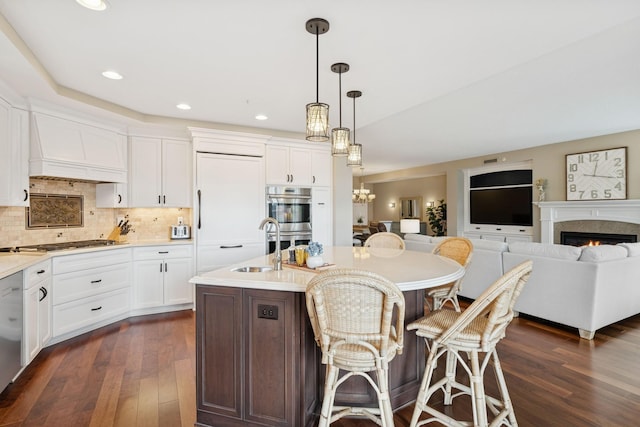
177 289
321 216
321 167
231 204
145 172
31 345
44 313
148 283
111 195
300 166
14 162
277 159
176 173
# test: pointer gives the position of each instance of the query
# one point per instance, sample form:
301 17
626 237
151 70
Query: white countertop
12 262
410 270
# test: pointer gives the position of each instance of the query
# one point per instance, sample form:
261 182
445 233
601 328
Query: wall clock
597 175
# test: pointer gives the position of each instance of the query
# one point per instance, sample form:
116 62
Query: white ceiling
441 80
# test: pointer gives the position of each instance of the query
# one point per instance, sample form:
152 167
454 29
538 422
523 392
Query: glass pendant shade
354 158
317 122
340 140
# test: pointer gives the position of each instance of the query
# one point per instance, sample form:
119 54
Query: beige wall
148 224
548 162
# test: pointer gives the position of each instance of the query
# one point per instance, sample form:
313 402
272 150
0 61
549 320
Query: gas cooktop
47 247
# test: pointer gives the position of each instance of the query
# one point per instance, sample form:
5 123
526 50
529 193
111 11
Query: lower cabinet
161 276
252 346
37 310
89 289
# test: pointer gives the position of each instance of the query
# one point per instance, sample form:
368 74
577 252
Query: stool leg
329 396
504 393
386 412
450 374
421 400
477 393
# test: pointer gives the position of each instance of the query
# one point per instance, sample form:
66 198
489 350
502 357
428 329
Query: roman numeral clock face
597 175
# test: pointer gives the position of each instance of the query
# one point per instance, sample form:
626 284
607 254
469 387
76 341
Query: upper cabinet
14 162
295 163
66 148
160 173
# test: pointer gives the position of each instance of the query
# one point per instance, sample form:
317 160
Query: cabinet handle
314 179
321 203
160 267
230 247
291 177
96 309
199 209
96 281
26 195
163 252
164 199
119 198
165 267
44 293
159 199
39 271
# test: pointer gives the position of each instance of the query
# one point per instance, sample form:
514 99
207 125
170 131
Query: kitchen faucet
277 260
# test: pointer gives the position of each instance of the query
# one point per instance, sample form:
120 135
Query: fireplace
574 238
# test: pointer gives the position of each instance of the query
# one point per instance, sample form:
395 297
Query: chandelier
362 195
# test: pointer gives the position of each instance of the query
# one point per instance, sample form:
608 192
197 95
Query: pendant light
340 135
317 112
354 158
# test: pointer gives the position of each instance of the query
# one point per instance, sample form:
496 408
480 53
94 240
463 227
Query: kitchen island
257 363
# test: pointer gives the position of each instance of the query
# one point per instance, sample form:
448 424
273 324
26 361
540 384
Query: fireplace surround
554 213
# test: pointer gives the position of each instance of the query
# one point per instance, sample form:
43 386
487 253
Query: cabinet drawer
162 252
212 257
87 261
80 284
87 311
37 273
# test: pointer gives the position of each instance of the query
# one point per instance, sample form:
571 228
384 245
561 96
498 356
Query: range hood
66 149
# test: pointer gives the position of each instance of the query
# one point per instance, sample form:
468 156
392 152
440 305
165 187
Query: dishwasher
10 327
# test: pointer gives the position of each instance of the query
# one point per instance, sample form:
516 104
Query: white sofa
586 288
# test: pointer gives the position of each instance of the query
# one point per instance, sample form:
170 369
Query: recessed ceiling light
93 4
261 117
184 106
113 75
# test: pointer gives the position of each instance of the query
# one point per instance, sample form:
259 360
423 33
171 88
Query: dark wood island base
257 363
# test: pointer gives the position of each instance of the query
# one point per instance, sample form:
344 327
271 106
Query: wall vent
490 161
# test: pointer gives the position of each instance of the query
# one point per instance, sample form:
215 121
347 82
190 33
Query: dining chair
475 330
385 239
459 249
351 313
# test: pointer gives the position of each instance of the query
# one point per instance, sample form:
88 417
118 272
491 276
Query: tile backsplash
146 223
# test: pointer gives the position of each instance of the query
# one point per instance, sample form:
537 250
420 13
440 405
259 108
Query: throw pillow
632 248
602 253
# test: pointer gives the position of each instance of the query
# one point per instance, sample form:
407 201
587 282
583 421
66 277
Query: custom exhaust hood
67 149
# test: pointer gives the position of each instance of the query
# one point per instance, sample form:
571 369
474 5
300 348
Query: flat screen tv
501 206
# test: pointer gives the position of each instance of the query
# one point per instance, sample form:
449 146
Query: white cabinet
321 167
321 216
112 195
288 165
14 161
230 205
161 276
90 289
37 310
160 172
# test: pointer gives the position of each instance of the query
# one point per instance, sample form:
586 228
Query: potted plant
437 218
314 249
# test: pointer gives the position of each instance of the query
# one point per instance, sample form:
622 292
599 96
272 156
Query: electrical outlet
267 311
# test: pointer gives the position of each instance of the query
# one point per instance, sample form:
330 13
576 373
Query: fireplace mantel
601 210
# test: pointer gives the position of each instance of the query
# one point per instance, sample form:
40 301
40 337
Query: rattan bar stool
460 250
385 239
461 338
351 314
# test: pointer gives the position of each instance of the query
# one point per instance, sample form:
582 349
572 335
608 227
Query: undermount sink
251 269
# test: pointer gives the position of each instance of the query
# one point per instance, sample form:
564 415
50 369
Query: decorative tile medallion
54 211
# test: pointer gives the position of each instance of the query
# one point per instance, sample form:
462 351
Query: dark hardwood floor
141 372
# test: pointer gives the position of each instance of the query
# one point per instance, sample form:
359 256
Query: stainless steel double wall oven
291 206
